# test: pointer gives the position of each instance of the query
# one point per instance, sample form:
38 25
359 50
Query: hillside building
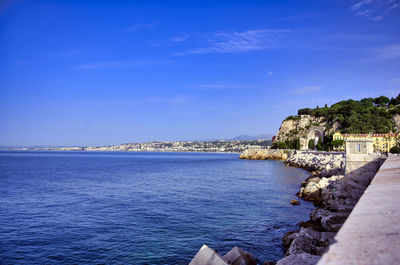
382 142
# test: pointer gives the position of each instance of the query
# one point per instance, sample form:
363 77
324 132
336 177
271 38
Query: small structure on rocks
359 153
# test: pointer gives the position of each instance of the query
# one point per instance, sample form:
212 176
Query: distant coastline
219 146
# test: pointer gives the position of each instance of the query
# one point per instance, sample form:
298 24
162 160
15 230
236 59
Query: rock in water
295 202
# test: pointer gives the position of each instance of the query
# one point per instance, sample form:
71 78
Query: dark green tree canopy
363 116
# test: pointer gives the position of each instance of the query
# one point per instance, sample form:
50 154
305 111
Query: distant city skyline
92 73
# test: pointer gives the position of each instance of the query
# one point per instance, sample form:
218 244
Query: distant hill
245 137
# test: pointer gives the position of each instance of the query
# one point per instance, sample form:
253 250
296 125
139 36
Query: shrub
395 150
295 118
311 144
281 145
320 146
337 143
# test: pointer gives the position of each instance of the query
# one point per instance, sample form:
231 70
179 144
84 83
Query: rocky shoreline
330 189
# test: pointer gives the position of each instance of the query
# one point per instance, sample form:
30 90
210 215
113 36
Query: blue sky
110 72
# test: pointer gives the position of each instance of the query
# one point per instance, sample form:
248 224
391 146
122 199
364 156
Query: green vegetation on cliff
363 116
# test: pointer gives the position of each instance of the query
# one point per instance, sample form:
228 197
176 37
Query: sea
64 207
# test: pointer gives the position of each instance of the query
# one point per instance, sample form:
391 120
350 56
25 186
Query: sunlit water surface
142 208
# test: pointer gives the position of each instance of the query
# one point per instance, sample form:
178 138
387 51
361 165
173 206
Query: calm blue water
142 208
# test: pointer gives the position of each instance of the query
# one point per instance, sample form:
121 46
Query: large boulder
330 221
299 259
304 241
288 238
311 191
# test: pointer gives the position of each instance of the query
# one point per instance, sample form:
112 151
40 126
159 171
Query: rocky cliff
376 115
302 127
396 122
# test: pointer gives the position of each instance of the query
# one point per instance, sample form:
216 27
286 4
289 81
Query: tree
337 143
311 144
297 143
395 101
281 145
395 150
306 111
327 143
381 101
320 146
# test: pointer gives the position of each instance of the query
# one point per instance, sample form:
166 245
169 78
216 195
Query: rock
304 241
311 179
352 185
295 202
311 191
312 225
269 263
299 259
288 238
330 221
263 154
323 183
326 239
364 179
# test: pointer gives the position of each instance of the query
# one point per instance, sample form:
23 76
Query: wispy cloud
374 9
175 39
391 87
181 99
305 90
245 41
390 52
218 86
120 64
179 38
394 82
139 26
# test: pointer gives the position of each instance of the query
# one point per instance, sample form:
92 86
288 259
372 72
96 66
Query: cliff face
301 127
396 121
368 115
